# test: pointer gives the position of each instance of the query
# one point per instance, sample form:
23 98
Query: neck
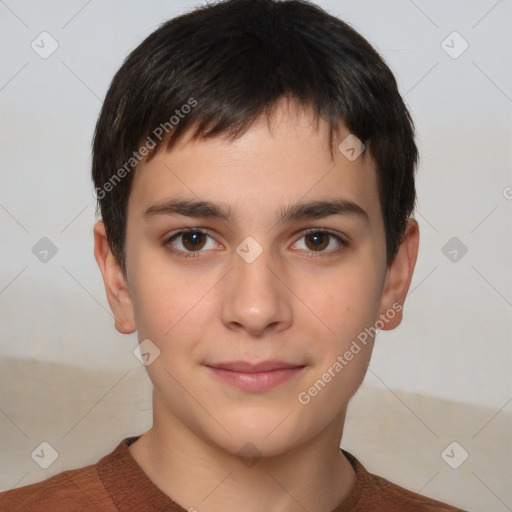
196 474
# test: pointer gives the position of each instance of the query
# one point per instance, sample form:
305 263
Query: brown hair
223 65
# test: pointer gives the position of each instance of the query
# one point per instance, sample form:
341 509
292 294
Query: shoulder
73 490
379 494
402 499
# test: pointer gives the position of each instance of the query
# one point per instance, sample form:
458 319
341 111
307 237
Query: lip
255 377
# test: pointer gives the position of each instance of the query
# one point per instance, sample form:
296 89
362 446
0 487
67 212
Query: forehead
271 166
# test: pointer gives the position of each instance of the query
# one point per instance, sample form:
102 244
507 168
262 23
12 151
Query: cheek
346 305
165 296
345 301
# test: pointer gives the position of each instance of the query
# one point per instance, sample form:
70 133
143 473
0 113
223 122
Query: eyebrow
303 210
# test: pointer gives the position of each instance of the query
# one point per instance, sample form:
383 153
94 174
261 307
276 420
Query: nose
255 297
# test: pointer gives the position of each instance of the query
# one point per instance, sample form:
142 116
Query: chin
263 437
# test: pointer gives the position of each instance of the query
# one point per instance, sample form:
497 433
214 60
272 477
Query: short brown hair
222 66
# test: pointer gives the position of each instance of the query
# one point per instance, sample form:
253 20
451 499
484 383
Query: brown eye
193 240
318 240
189 243
323 242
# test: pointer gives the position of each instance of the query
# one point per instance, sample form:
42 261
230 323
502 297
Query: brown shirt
116 483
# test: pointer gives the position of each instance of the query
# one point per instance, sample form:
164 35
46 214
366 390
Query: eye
191 240
317 240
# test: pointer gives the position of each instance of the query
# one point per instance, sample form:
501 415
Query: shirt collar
128 485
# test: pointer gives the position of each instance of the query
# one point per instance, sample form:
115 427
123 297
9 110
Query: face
252 293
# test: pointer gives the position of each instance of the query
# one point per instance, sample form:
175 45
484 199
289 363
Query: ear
116 286
399 276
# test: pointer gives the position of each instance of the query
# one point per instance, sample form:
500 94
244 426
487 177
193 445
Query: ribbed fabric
116 483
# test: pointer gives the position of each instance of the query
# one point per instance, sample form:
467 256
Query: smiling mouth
255 377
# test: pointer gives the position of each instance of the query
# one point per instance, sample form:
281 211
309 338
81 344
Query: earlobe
116 286
399 277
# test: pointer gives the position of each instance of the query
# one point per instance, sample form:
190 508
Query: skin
293 303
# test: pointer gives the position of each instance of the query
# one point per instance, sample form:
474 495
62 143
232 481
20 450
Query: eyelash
194 254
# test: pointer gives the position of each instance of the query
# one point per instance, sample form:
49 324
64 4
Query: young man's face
257 289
